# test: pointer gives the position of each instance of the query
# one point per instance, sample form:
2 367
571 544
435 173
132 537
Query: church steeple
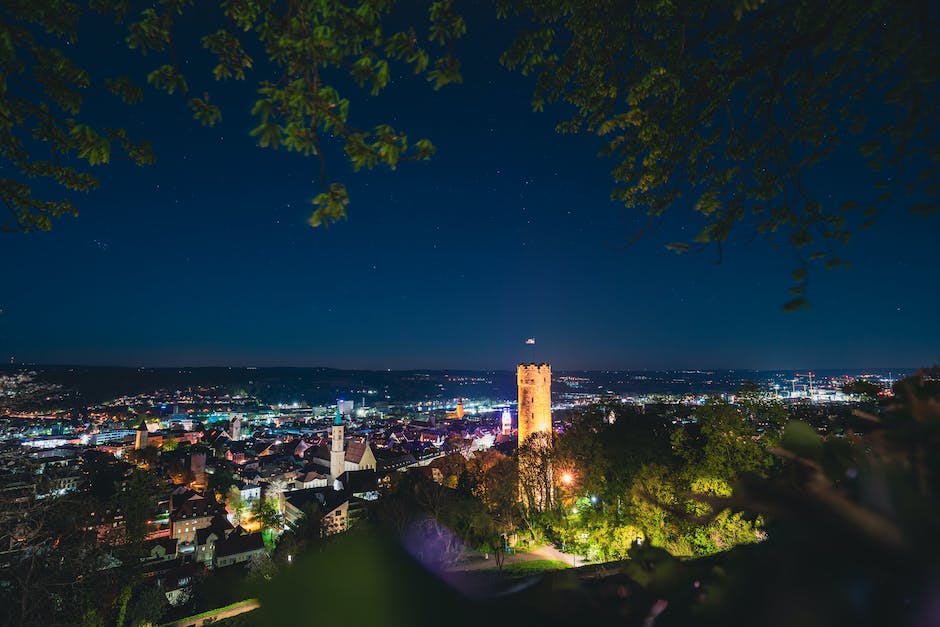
338 448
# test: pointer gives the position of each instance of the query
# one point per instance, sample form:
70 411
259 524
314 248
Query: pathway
227 612
544 552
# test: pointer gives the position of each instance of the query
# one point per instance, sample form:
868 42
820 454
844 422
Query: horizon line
690 369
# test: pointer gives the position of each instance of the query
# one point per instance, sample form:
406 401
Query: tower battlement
530 373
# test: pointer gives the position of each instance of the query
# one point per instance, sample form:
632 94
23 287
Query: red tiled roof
355 449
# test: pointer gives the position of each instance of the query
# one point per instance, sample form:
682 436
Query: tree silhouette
724 113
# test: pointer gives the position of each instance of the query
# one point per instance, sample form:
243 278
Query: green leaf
167 78
331 206
923 209
207 114
801 439
796 304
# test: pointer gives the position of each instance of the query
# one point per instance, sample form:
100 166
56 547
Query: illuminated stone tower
535 399
140 437
235 428
338 449
197 463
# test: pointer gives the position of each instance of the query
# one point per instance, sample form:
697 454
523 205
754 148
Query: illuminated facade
141 436
457 413
535 399
337 449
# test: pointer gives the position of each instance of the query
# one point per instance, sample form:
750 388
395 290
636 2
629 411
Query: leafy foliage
844 514
723 443
307 46
136 500
236 504
54 571
535 460
220 482
42 92
726 111
643 480
862 388
149 606
265 511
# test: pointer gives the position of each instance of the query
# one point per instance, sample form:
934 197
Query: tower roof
143 425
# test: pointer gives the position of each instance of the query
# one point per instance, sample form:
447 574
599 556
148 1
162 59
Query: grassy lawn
535 567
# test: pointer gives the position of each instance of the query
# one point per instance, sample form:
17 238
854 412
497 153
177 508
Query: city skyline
503 369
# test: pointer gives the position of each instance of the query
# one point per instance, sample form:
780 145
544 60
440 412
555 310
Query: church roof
355 449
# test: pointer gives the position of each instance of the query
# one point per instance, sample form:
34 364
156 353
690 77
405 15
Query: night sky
206 259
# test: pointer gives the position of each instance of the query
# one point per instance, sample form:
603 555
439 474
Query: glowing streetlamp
567 478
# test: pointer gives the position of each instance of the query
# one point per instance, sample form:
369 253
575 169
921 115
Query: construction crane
808 390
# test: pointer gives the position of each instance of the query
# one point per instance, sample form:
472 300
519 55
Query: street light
567 478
